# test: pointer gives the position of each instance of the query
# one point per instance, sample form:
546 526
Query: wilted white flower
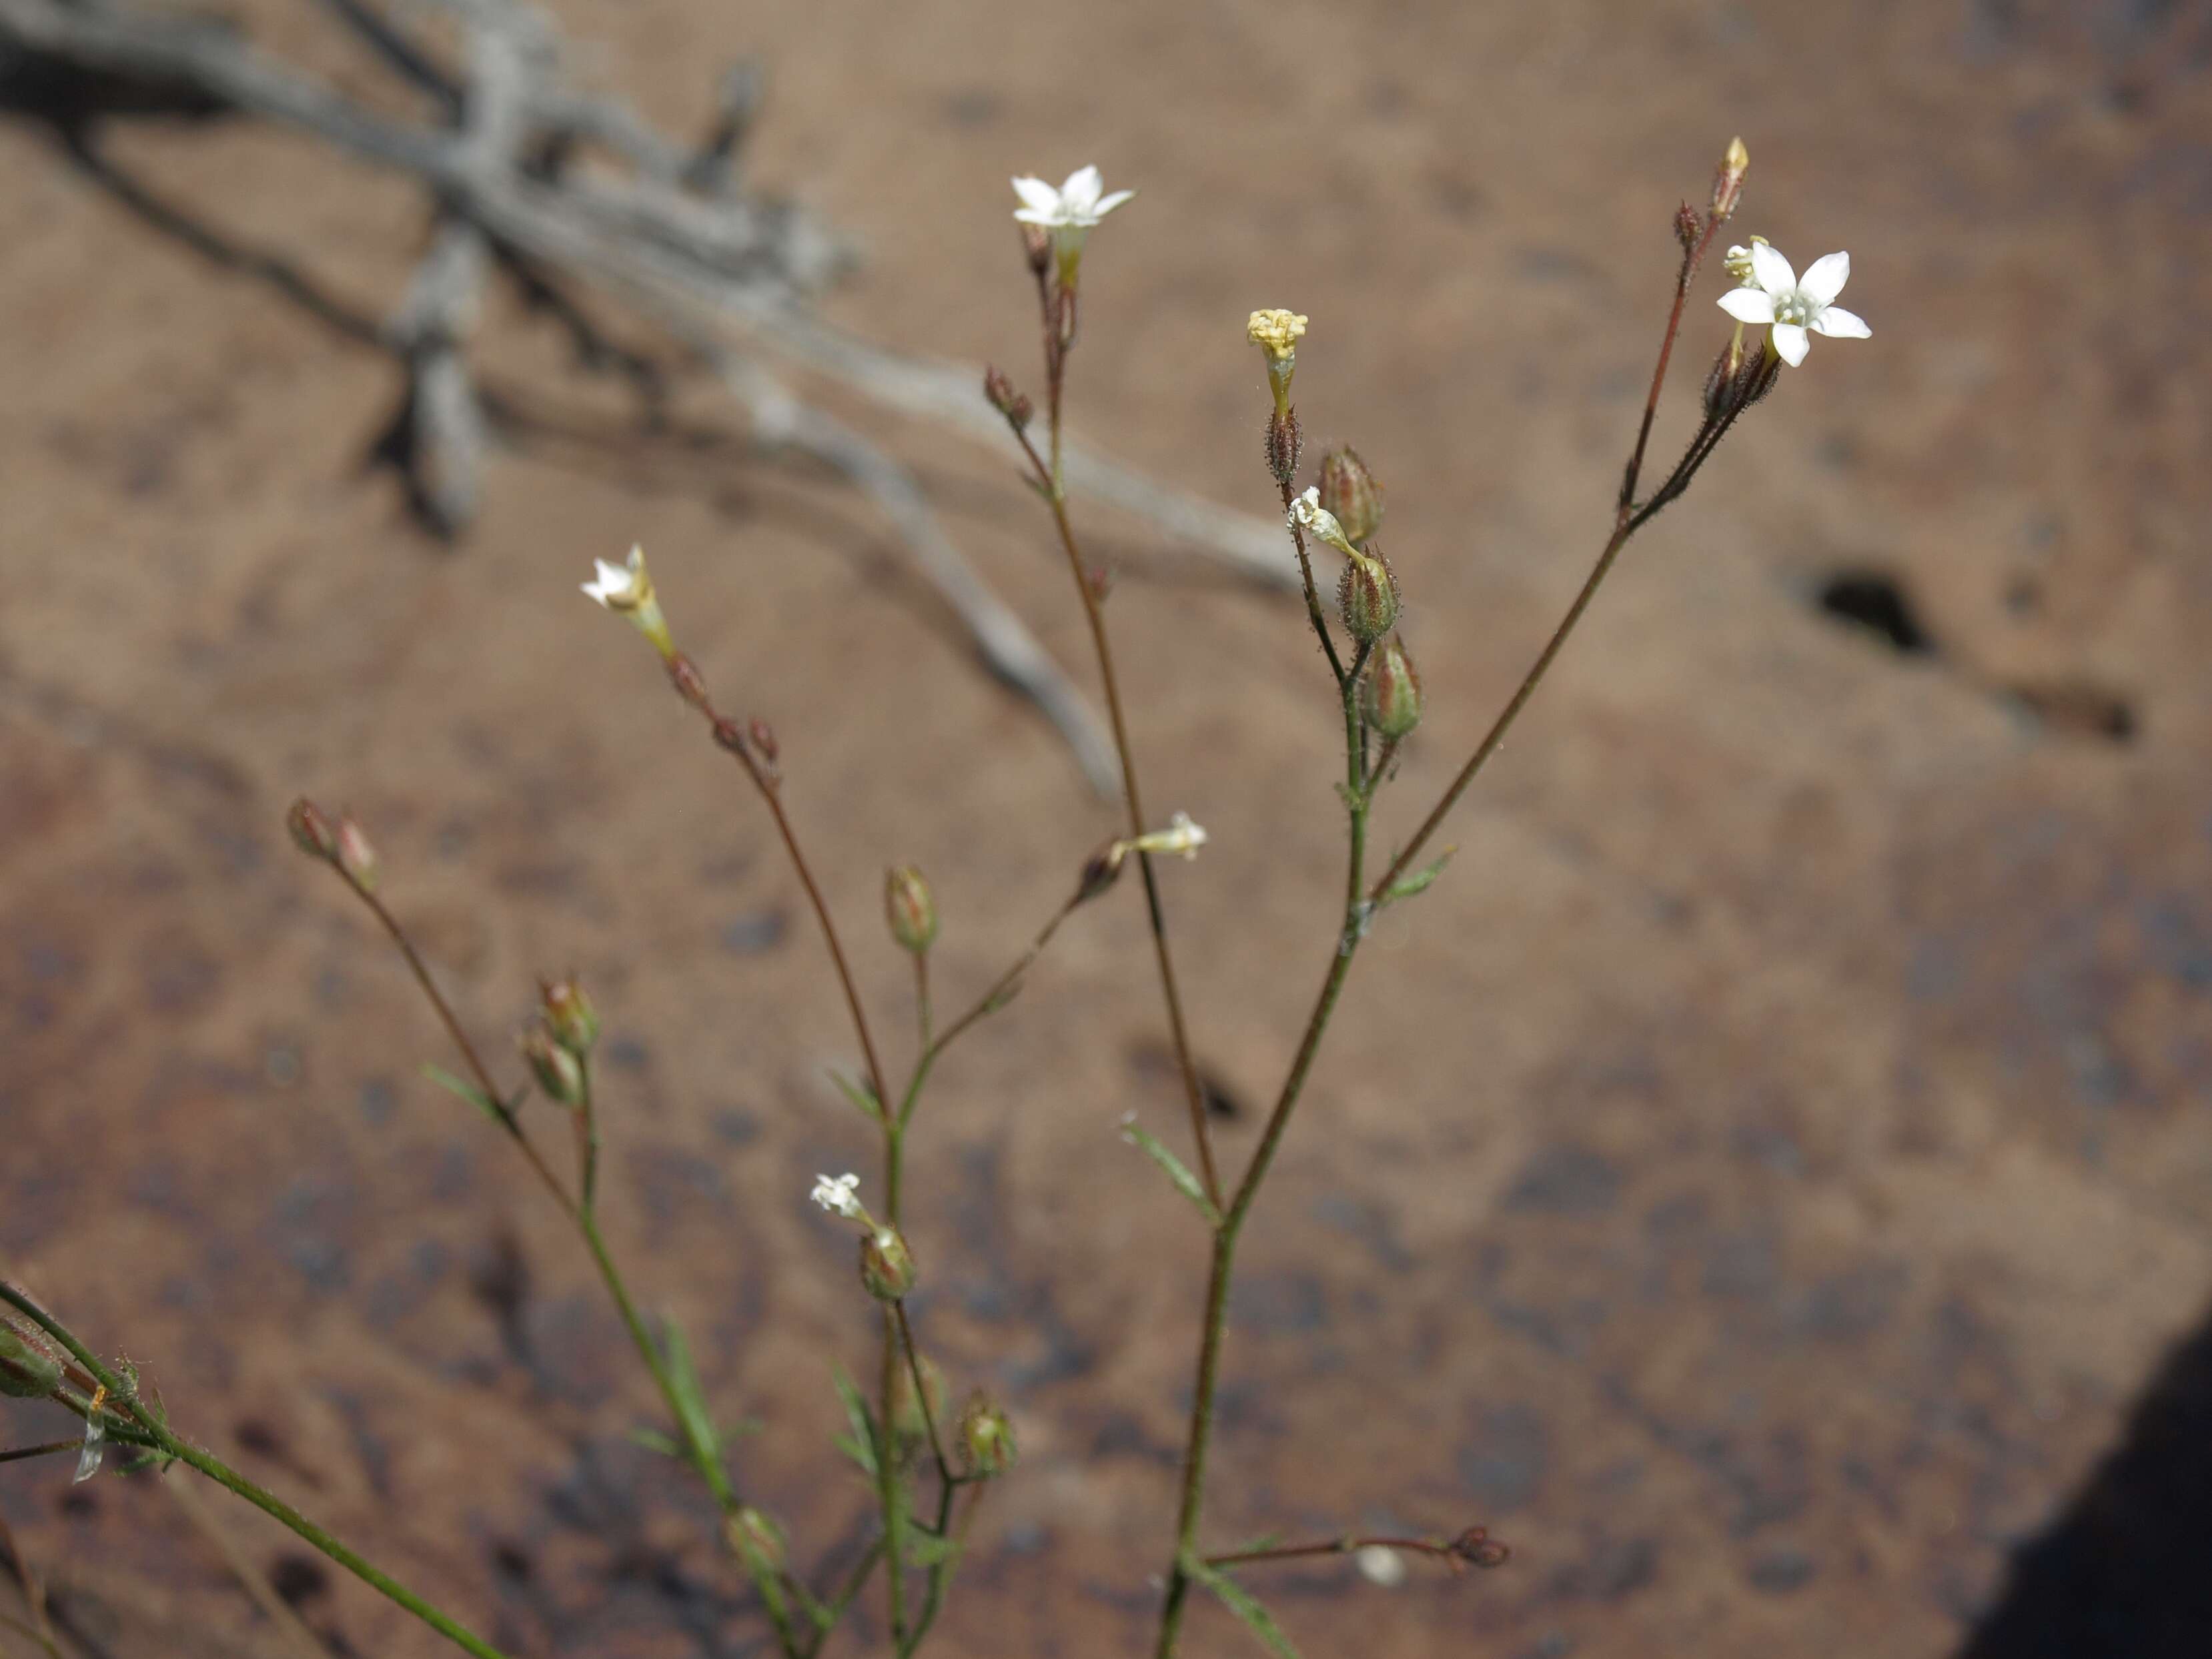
1308 513
1068 213
1380 1564
1776 294
627 590
1182 835
834 1194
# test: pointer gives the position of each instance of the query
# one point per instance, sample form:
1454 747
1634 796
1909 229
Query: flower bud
886 1265
312 832
558 1069
755 1538
987 1437
356 857
690 685
26 1372
1000 391
1367 597
1394 692
1100 871
1727 182
1689 228
763 737
570 1014
1349 490
1283 445
911 911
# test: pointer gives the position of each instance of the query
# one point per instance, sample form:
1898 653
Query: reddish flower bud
570 1014
690 685
1349 490
559 1072
1367 597
356 857
1285 443
1000 393
1727 182
986 1438
911 909
886 1265
1394 692
763 737
1100 871
312 832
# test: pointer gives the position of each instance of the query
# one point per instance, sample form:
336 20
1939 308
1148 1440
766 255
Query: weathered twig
1008 649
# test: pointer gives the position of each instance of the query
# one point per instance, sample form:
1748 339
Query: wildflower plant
928 1471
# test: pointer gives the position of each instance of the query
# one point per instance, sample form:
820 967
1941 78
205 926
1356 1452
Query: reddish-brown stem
1455 1552
468 1049
1195 1096
1692 257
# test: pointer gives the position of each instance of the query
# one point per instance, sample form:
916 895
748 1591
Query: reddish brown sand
1758 1181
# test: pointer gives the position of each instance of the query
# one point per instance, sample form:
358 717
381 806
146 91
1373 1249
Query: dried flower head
1277 332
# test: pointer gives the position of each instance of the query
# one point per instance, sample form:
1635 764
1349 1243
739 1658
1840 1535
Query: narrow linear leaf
1177 1171
1242 1603
859 1094
689 1398
860 1444
653 1440
467 1091
1417 881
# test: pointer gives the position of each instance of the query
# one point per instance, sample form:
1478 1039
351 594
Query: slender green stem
224 1475
940 1575
922 1396
150 1430
887 1484
921 996
994 998
834 1610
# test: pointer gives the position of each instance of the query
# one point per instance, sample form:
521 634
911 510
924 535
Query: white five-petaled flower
1380 1564
1076 205
1775 294
1068 213
834 1194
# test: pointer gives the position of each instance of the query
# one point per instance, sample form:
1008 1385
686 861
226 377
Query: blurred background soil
1765 1180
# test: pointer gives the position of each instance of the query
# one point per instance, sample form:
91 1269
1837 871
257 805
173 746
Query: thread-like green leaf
1242 1603
1177 1171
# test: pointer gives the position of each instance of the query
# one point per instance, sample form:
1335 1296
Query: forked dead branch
926 1469
678 237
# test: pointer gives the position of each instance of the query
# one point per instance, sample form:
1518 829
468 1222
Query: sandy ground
1758 1181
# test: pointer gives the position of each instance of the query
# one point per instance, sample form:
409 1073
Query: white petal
1082 187
1108 204
1036 195
1839 324
1771 268
1748 305
1790 343
1825 277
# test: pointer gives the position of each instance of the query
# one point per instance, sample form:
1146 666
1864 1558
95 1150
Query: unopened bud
763 737
1688 227
690 685
986 1438
1394 692
1000 393
1283 445
1475 1547
1349 490
911 909
1100 871
559 1072
1728 183
27 1371
1367 597
1036 246
886 1265
355 856
1100 580
730 735
757 1540
1720 380
312 832
570 1014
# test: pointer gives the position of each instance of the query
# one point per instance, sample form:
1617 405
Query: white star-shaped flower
621 586
1182 836
1075 206
834 1194
1777 295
